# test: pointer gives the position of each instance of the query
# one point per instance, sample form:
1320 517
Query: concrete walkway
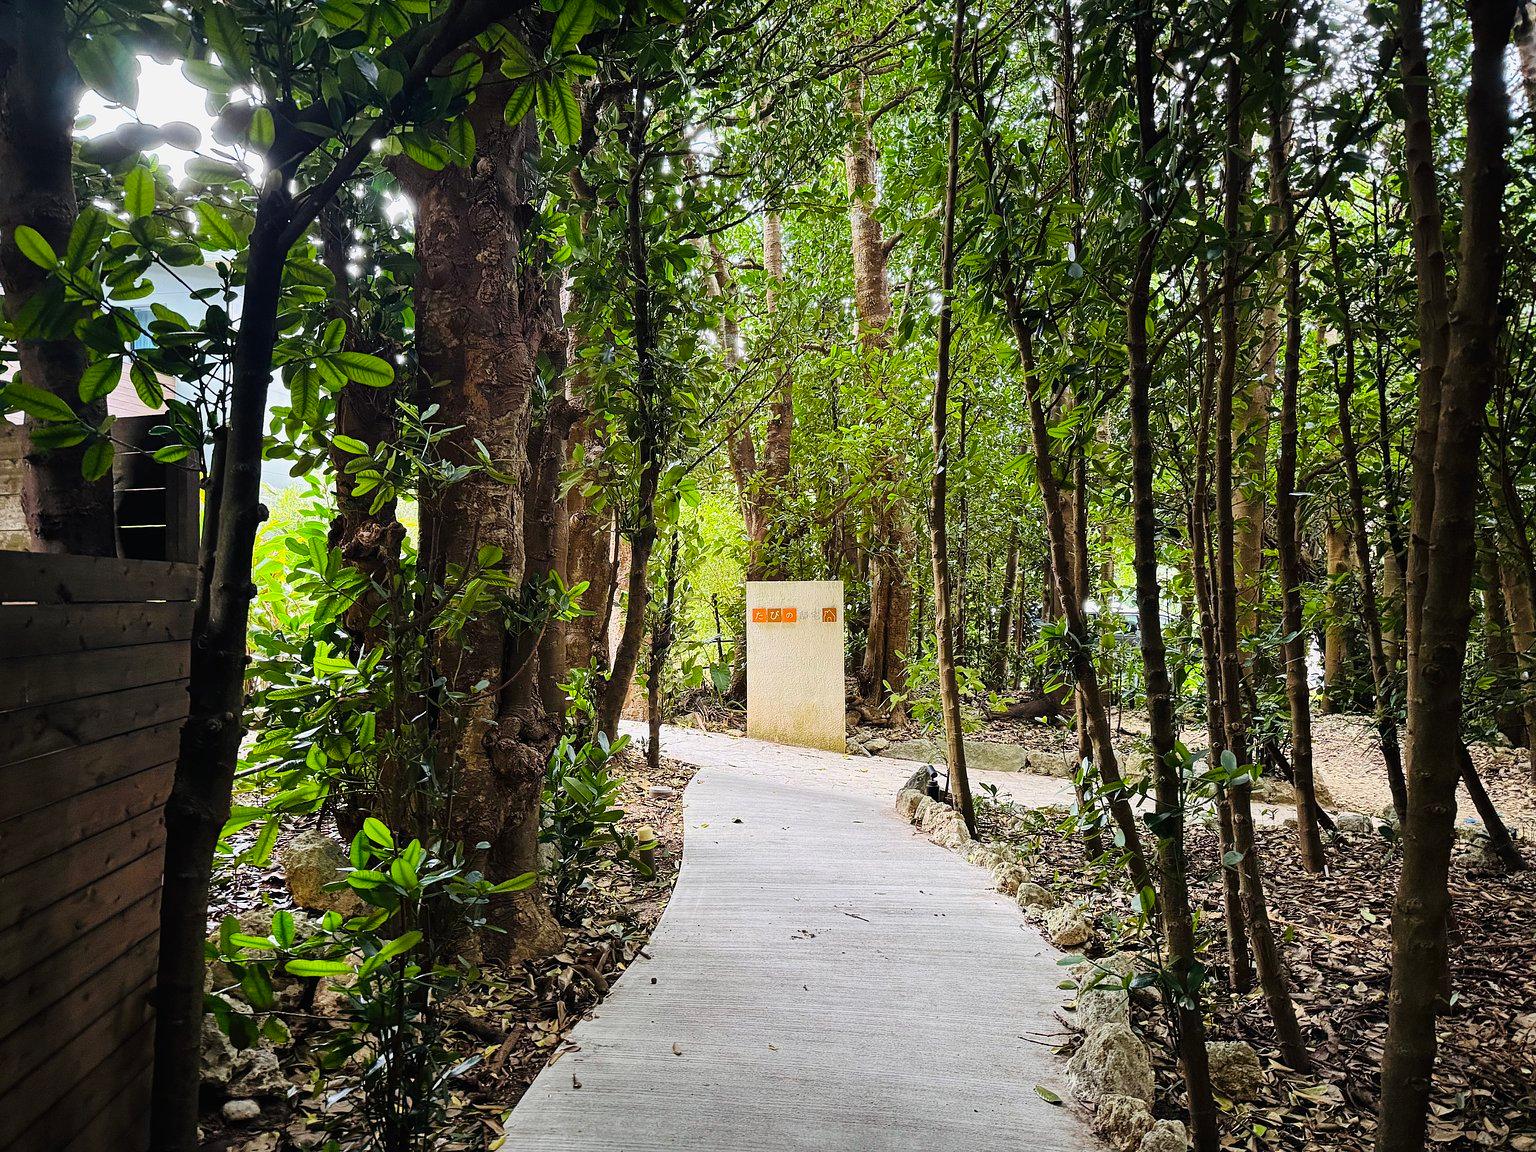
823 979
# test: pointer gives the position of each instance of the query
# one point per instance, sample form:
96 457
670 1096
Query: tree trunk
892 543
1070 601
1173 868
210 739
1288 537
487 309
1000 653
368 540
1266 952
642 541
39 98
1498 644
1444 547
1337 631
1370 612
1522 621
938 529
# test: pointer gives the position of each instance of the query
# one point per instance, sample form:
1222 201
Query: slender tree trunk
1239 959
1444 558
1173 868
1266 952
39 98
1336 632
1000 662
1381 673
642 540
891 545
938 531
1083 668
662 636
369 539
1288 538
1522 619
1497 645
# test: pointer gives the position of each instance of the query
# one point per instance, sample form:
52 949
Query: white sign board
795 663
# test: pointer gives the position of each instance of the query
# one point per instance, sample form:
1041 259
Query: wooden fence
94 657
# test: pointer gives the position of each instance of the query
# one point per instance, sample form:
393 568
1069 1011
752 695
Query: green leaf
559 107
37 403
377 831
304 393
226 36
217 227
520 102
139 192
36 249
461 138
172 453
317 968
107 65
97 461
350 445
361 368
99 378
574 22
86 238
147 385
210 172
1046 1094
425 151
263 131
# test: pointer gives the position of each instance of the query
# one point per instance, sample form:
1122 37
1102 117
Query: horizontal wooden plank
29 732
72 891
66 675
45 780
78 1078
44 831
32 630
130 965
123 1124
48 978
48 578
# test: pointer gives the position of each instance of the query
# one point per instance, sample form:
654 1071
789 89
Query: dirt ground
514 1022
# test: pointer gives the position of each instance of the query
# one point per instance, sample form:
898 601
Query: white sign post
795 663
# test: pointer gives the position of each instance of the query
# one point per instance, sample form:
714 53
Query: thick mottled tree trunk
938 528
39 98
1266 951
1173 867
892 543
487 309
1288 538
1444 553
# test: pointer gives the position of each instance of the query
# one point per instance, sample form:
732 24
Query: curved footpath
824 978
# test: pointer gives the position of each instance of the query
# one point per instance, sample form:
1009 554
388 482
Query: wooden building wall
94 658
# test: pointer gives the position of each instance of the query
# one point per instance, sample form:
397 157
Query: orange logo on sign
829 615
775 615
